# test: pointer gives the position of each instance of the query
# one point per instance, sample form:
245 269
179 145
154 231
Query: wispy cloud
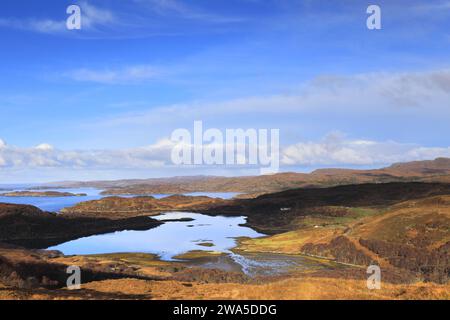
407 93
36 25
93 16
135 19
433 6
126 75
183 10
92 19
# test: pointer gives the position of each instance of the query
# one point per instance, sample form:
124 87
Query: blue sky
342 95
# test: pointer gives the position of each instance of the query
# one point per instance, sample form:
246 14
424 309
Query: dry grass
289 242
289 289
423 222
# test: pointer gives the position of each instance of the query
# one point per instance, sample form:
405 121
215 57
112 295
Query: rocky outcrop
32 269
118 207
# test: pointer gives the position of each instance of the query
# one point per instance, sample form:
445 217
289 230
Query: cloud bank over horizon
334 150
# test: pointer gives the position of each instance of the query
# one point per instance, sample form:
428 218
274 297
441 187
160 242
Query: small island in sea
42 194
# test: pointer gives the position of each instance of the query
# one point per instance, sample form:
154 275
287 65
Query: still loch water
170 239
55 204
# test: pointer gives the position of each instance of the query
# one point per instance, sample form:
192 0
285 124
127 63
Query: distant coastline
41 194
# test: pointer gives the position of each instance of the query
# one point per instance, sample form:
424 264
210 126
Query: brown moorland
402 226
420 171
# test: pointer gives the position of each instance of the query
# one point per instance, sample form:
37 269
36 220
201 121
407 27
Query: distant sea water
56 204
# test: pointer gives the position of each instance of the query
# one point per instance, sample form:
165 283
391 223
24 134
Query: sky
102 102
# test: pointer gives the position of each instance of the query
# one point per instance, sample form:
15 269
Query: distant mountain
437 170
439 166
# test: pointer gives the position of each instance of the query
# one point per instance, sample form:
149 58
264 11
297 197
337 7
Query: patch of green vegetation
363 212
142 259
197 254
327 221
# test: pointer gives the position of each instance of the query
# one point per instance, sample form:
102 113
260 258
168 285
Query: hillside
277 212
30 227
118 208
410 239
437 170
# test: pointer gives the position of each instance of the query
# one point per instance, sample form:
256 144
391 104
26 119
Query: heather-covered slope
31 227
117 207
410 240
278 212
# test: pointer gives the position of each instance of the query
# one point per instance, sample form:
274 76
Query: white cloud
44 147
93 16
132 74
37 25
424 93
45 155
336 150
333 150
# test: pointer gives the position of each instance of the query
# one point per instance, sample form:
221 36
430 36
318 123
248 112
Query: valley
301 243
